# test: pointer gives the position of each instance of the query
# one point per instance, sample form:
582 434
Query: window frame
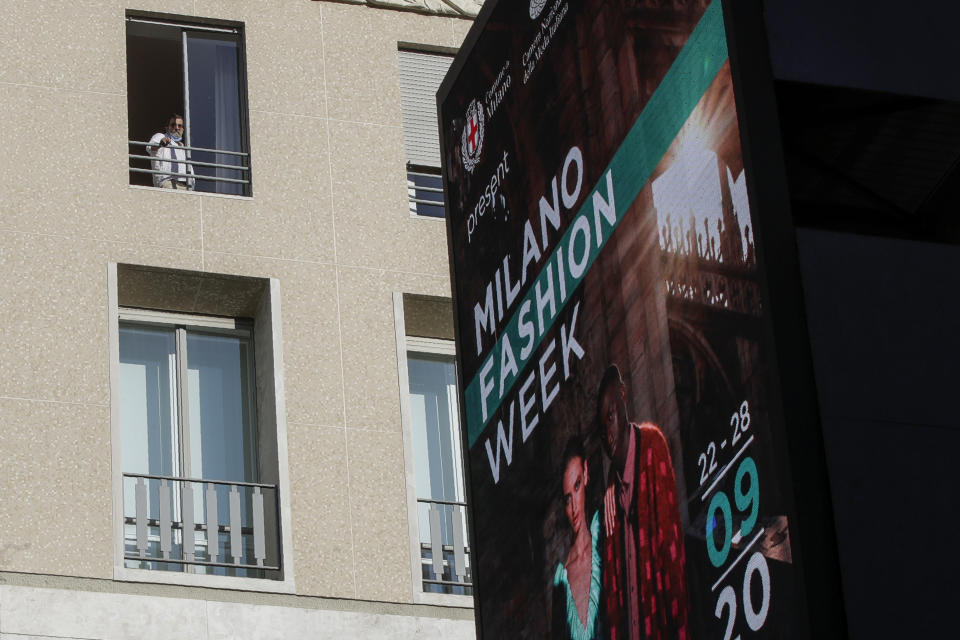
199 23
428 346
117 314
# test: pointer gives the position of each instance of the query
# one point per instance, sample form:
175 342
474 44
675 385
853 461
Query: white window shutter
420 77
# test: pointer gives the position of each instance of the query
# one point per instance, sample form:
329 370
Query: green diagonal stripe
669 107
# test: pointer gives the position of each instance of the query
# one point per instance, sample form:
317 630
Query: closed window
192 497
438 513
420 77
200 486
438 460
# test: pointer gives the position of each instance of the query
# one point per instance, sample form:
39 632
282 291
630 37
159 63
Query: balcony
221 171
201 526
444 554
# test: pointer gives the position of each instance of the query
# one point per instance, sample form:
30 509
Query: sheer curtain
213 76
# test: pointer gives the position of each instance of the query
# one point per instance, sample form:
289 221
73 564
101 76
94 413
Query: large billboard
618 398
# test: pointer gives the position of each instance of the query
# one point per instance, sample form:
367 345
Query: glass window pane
221 407
213 76
148 400
148 418
434 419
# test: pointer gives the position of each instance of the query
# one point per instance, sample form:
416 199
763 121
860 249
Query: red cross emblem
471 137
472 133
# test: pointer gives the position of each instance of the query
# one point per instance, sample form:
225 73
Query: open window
195 69
420 76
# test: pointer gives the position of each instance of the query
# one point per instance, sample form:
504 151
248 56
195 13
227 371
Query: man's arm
156 142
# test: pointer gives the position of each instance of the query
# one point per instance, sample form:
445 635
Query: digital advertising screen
625 472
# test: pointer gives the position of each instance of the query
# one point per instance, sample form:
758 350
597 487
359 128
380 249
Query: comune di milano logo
536 6
471 140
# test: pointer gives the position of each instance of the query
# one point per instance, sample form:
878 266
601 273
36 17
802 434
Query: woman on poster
577 609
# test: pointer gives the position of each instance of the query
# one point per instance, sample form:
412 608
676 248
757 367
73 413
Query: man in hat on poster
644 581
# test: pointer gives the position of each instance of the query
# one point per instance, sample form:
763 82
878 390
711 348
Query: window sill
227 196
443 600
413 216
124 574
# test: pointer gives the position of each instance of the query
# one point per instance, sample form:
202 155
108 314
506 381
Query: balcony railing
425 191
205 171
204 526
444 554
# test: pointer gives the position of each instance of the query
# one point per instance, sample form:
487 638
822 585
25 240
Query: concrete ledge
88 609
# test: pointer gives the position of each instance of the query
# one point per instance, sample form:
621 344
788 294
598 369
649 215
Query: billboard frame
801 443
800 447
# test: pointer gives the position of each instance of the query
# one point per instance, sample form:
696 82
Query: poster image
624 474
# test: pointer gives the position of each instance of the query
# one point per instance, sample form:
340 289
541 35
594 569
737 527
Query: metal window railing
425 193
197 522
444 554
242 169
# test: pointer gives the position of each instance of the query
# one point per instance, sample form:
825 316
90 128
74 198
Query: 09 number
747 501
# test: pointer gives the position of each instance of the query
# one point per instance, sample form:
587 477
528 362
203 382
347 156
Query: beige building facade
270 492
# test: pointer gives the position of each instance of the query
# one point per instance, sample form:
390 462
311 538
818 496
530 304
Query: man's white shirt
165 157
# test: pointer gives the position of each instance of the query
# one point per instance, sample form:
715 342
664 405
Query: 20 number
728 597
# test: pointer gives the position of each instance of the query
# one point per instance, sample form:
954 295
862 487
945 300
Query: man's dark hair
610 376
173 119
